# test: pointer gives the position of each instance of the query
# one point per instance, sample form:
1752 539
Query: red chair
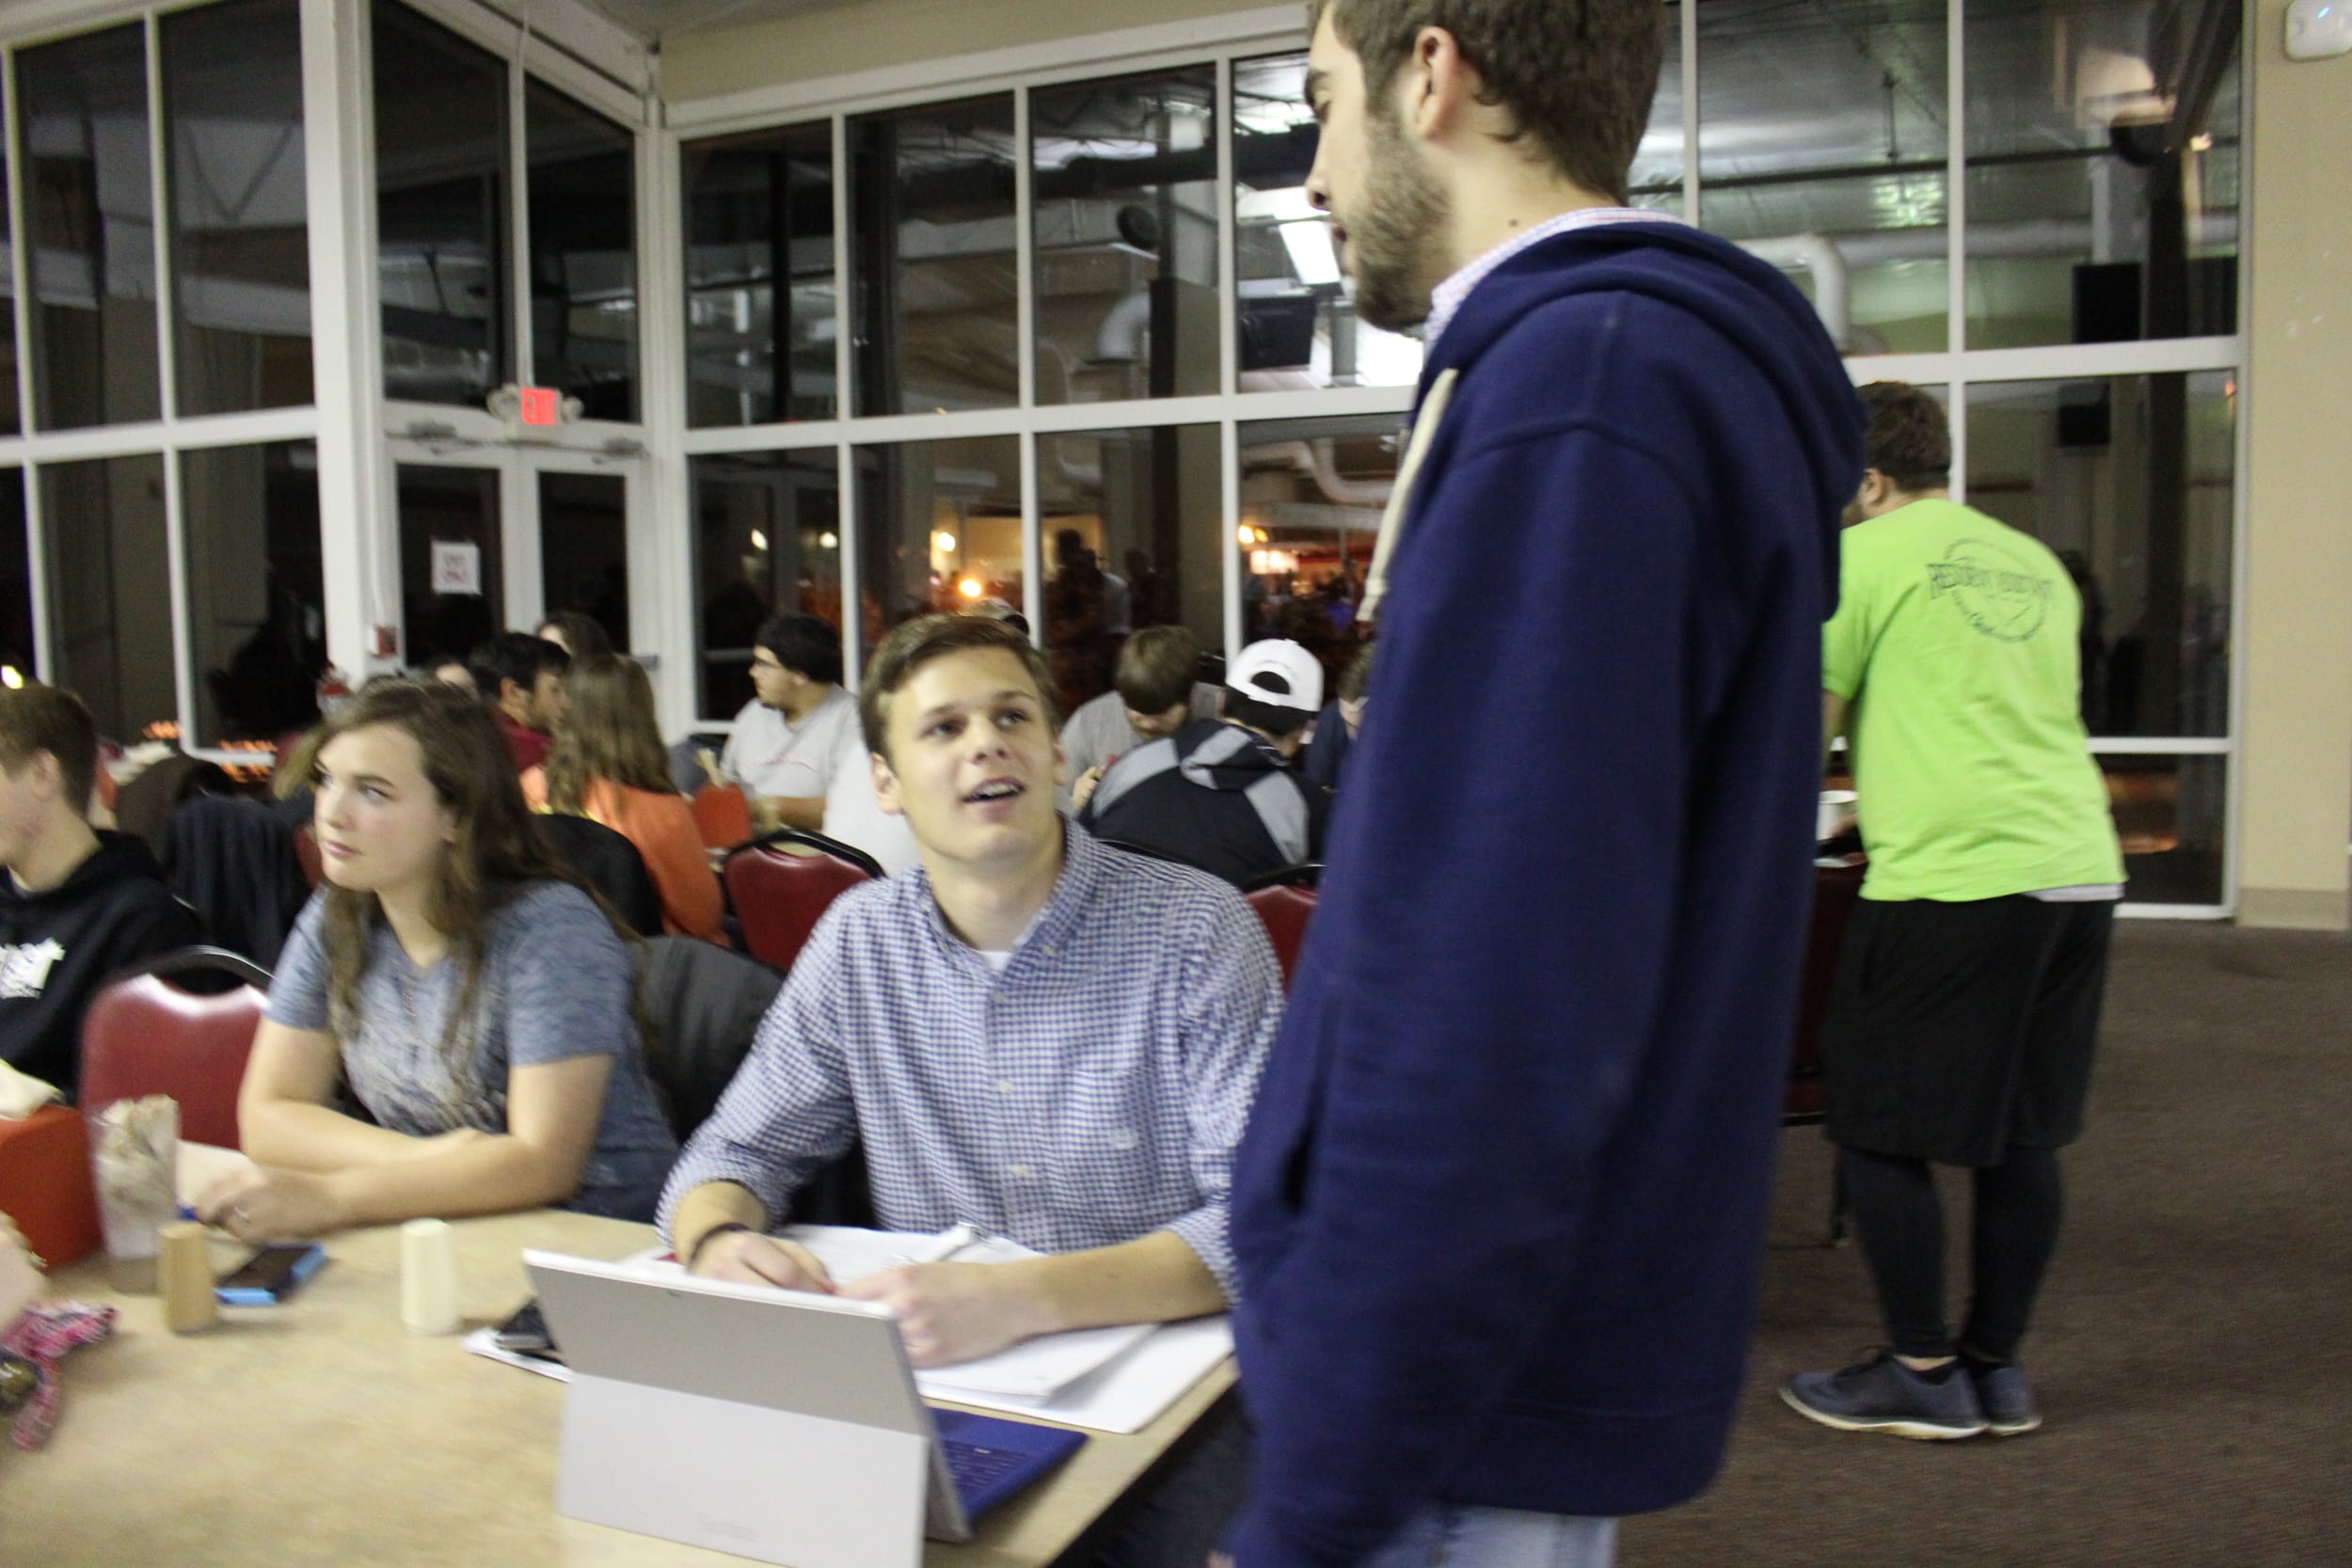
307 854
1285 901
144 1036
723 815
778 896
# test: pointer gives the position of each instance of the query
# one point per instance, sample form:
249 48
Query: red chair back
144 1035
1834 890
779 895
1286 908
723 815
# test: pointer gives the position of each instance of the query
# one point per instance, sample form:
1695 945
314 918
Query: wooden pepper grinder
184 1275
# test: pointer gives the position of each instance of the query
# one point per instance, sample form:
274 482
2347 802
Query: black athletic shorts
1958 1029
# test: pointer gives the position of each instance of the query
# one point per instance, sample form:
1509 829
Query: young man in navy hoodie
1500 1209
76 903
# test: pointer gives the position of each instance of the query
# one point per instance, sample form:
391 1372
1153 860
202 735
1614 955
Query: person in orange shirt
608 763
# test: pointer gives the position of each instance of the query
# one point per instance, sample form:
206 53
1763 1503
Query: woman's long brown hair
610 731
496 855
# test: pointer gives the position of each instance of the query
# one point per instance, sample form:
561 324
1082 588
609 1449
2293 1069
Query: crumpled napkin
45 1336
22 1094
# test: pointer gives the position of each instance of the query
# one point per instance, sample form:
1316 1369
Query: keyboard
975 1467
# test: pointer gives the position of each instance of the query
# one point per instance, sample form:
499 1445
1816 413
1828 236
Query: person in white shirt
790 738
1153 692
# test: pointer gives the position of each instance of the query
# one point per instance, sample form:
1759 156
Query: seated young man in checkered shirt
1037 1036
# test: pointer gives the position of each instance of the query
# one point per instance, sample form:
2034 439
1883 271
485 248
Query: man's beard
1394 237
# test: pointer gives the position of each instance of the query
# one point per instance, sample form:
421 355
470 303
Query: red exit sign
541 406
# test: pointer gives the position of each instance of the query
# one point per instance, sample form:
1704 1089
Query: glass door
453 558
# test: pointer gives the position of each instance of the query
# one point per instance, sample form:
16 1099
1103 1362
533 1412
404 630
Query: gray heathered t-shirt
555 984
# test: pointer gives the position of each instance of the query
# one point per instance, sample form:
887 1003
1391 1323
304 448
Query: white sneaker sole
1925 1432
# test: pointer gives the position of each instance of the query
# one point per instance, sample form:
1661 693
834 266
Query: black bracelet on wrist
704 1240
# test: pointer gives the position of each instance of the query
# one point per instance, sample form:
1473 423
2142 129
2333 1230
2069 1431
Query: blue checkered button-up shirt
1089 1094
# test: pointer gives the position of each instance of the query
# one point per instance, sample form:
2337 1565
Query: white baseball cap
1279 672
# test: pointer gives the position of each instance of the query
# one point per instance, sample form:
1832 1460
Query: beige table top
322 1431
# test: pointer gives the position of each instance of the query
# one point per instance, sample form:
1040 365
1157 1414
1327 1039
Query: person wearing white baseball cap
1221 793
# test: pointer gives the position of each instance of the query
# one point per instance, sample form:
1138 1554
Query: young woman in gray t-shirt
460 979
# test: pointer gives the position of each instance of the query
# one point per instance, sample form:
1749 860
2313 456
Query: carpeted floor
2193 1351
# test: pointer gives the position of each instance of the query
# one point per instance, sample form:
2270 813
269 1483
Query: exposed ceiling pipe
1121 340
1316 458
1819 255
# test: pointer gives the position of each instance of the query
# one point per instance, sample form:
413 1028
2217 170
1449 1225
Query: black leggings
2018 1206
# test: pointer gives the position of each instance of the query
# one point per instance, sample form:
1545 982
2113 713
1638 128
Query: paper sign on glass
457 566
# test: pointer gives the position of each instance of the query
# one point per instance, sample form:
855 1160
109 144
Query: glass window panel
766 542
1657 172
2102 171
11 416
109 584
583 549
1131 519
455 506
939 528
16 577
1125 192
441 211
1297 323
90 221
759 208
1824 141
937 278
581 189
2171 812
240 239
2130 480
1311 494
256 589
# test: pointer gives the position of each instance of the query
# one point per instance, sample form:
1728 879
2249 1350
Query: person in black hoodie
78 904
1221 793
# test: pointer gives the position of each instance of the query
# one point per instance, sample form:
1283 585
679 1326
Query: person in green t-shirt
1966 1007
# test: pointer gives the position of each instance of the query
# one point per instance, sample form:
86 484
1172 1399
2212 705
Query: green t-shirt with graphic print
1956 642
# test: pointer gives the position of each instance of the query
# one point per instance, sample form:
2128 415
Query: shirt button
1020 1170
1122 1138
1004 1085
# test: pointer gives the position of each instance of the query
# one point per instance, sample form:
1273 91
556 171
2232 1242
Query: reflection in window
442 211
759 208
257 590
11 416
240 241
766 542
1824 142
1655 174
582 188
109 588
1311 494
91 222
449 510
2130 480
16 579
583 549
939 528
2170 813
1124 191
932 194
1130 520
2103 170
1297 325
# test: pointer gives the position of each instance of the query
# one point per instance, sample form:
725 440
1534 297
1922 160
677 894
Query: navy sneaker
1883 1395
2006 1396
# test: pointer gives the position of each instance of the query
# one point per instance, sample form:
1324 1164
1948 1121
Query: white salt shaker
428 1279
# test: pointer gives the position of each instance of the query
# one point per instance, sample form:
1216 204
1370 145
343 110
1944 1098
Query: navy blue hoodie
1500 1209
